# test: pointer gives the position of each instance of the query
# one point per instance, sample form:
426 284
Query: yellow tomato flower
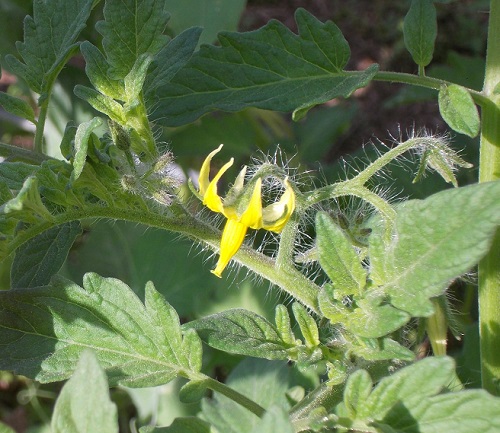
244 210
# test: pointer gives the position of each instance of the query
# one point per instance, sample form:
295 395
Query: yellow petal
252 216
210 198
233 236
204 179
276 215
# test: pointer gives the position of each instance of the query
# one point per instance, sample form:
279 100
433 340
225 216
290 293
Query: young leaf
250 378
43 332
84 404
181 425
131 28
49 37
240 331
17 107
434 241
338 257
270 68
357 389
101 103
15 173
459 412
409 386
458 109
420 31
170 60
381 349
134 80
282 319
82 137
372 320
307 324
96 68
41 257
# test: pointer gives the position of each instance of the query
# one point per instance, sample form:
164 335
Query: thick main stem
489 170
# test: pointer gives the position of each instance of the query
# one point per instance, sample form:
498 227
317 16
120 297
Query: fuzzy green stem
424 81
242 400
489 170
40 125
286 277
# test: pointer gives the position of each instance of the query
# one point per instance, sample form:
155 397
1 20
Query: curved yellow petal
276 215
252 216
233 236
210 198
204 179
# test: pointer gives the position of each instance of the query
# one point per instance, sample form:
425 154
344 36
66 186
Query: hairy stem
286 277
242 400
489 170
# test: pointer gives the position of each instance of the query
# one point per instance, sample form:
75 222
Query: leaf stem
425 81
241 399
286 277
489 170
40 125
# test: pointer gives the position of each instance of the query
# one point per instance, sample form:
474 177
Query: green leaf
28 203
213 16
17 107
41 257
458 109
338 257
101 103
275 420
420 31
49 37
193 391
240 331
282 319
15 173
96 68
131 28
358 388
270 68
84 404
134 80
434 241
181 425
170 60
459 412
381 349
43 332
249 378
307 325
408 386
371 320
82 137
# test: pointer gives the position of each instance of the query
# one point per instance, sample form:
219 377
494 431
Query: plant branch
16 153
425 81
489 170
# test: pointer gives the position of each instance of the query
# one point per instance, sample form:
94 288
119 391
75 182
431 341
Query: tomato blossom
242 207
